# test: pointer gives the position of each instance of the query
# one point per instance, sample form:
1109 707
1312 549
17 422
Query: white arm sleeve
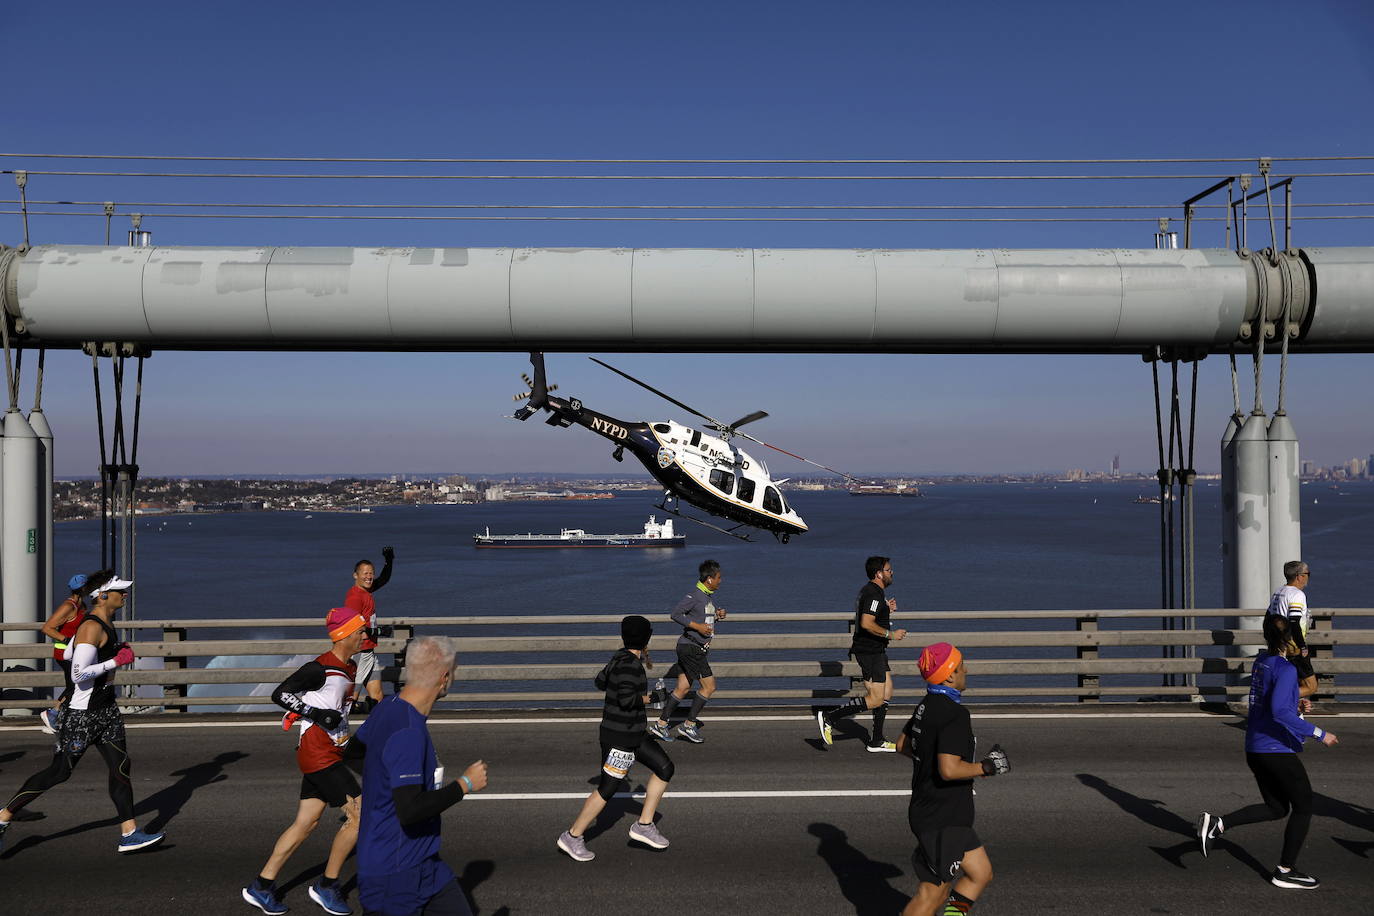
84 665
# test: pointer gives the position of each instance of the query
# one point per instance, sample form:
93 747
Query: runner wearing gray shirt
697 614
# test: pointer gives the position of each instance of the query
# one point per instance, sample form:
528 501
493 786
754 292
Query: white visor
114 585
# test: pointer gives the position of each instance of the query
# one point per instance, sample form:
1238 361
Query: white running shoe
827 732
575 846
648 835
883 747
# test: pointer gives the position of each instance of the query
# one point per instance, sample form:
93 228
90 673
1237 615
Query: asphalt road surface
1096 817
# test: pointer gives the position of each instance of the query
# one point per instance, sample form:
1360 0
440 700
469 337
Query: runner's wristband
467 782
1318 733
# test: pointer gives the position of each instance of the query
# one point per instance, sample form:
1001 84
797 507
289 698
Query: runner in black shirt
872 632
939 740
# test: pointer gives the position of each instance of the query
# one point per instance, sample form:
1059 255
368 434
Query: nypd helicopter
702 469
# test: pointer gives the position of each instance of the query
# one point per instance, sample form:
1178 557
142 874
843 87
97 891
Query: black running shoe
1209 827
1294 879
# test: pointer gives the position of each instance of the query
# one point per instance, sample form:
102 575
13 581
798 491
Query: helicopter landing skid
733 532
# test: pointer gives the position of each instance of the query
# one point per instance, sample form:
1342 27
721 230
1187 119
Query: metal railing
762 659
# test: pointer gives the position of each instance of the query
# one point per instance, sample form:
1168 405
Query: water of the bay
959 547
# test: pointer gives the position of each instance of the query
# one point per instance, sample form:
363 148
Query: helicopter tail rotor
537 397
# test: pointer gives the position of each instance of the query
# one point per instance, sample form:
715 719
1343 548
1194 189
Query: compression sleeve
84 664
382 579
306 678
414 805
1283 704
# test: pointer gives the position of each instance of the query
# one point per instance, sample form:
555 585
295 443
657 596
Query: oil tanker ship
655 534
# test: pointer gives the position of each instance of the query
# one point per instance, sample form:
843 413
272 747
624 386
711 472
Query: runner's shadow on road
615 811
863 881
474 873
1153 812
1357 816
169 801
11 756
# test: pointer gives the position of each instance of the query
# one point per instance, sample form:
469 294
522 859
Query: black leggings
649 753
1285 788
116 757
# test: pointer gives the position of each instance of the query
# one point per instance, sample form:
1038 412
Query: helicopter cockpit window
662 428
771 501
723 481
746 490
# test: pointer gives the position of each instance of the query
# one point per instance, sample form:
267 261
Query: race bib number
618 763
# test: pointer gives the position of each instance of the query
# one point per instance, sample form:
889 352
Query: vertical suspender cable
1189 491
104 461
1159 445
21 178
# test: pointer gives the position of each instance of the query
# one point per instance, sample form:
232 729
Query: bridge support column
20 560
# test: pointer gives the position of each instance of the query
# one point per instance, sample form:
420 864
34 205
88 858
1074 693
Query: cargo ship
874 489
655 534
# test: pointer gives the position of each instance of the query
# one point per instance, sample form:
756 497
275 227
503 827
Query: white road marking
798 793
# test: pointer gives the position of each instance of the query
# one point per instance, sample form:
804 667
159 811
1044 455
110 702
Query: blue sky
623 80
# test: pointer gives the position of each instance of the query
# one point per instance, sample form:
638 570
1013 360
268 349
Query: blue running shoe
661 732
139 840
265 899
329 899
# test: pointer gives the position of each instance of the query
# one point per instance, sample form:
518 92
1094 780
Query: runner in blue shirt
1274 735
399 869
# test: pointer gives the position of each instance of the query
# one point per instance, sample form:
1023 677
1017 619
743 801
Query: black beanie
635 632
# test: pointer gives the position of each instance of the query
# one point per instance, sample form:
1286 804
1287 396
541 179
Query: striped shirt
623 720
1289 602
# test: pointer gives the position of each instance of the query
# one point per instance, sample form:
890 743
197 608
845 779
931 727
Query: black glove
996 762
388 554
328 719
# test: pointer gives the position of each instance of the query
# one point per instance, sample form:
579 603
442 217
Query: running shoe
132 842
882 747
265 899
49 720
689 731
329 899
827 733
3 827
661 732
648 835
576 846
1294 879
1209 827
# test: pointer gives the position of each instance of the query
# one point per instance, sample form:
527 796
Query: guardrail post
1088 681
175 662
1326 683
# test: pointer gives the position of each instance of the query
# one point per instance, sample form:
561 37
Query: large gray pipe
1252 519
684 299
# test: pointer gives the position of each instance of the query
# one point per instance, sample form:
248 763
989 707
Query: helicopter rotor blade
823 467
750 418
668 398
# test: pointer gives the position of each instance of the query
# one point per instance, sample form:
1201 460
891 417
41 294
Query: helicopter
704 470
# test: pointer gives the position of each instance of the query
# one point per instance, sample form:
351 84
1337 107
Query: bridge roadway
1096 817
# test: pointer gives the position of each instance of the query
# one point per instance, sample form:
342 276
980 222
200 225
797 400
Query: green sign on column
33 540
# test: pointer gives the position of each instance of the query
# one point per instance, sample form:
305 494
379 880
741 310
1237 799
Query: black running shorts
333 785
939 853
874 665
693 661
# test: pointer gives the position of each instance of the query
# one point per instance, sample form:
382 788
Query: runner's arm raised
388 555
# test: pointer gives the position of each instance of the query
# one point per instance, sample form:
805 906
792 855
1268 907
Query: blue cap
76 582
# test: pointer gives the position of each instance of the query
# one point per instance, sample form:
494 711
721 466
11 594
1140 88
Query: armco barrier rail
758 658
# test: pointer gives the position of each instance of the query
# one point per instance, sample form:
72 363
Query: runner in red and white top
317 698
359 599
61 629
